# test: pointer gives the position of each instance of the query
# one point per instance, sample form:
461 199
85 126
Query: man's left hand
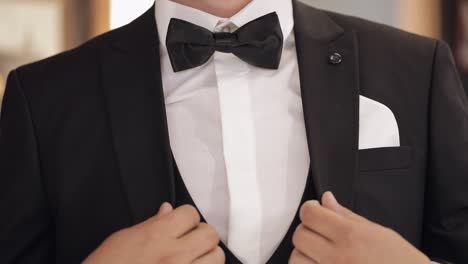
330 233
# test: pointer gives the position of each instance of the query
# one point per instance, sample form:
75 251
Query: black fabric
385 158
259 42
84 144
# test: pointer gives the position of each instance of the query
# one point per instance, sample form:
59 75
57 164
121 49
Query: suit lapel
131 78
330 95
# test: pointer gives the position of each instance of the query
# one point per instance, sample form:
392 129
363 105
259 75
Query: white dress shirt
237 133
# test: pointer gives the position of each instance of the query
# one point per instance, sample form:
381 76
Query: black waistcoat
285 248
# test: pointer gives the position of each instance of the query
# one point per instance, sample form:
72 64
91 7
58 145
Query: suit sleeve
25 224
445 233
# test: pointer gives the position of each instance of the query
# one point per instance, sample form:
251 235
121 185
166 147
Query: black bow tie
259 43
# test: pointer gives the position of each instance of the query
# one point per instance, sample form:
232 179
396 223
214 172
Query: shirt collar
167 9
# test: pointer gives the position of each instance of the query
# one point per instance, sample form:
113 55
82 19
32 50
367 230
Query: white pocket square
378 127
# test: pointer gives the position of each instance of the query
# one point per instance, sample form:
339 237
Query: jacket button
336 58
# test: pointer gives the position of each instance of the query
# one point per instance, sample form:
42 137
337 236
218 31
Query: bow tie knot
225 41
259 43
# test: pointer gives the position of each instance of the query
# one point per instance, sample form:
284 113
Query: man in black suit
94 140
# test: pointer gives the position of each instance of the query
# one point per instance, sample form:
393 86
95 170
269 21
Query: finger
329 201
322 220
180 221
213 257
312 244
298 258
163 210
200 241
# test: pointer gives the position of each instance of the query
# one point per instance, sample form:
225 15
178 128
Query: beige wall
41 28
100 16
84 19
421 16
29 30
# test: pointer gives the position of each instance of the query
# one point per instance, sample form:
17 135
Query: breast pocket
385 158
388 184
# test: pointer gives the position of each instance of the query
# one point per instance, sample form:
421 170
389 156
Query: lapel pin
336 58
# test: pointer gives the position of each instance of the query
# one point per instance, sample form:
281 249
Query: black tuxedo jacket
84 148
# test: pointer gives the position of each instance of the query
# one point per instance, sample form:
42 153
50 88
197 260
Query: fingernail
311 202
165 206
332 197
314 202
161 207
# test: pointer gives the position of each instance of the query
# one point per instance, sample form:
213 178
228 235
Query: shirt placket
239 149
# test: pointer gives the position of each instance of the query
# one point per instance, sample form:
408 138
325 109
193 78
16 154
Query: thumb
164 209
329 201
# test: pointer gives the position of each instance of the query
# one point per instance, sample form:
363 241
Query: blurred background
34 29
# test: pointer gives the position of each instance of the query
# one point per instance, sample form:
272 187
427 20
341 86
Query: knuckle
298 236
210 234
215 256
219 256
294 257
192 213
308 210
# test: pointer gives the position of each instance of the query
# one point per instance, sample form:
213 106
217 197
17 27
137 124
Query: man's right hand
171 236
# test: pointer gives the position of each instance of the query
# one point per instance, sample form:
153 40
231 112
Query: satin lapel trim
131 78
330 95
